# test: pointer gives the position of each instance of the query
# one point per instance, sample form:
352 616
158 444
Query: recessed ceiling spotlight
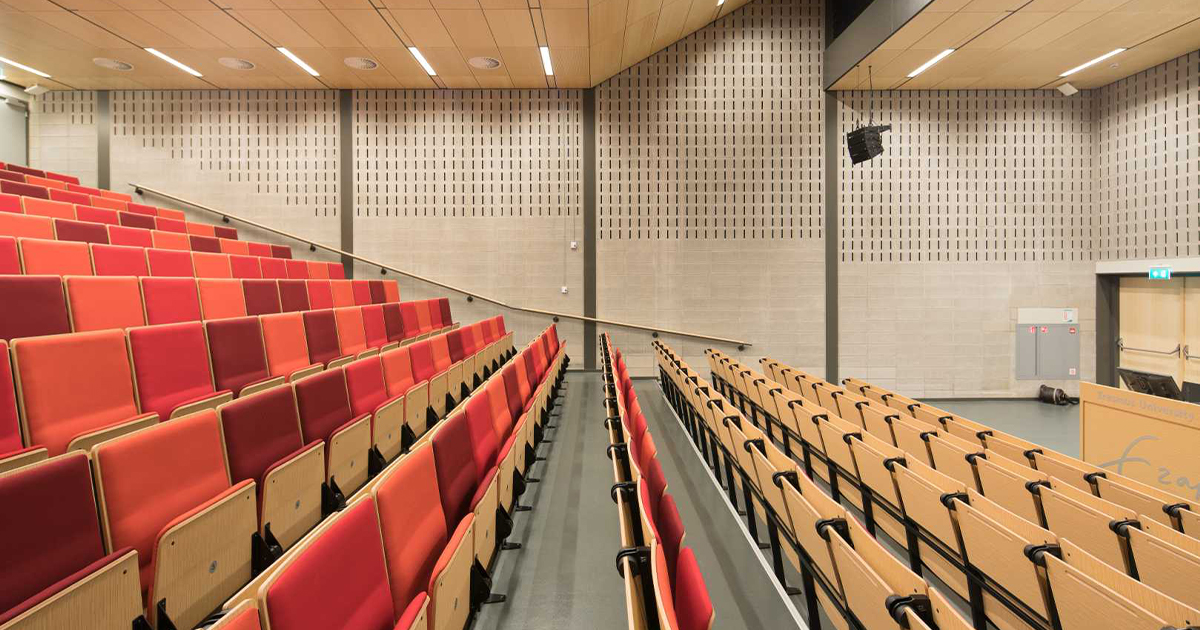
485 63
1093 62
235 63
361 63
112 64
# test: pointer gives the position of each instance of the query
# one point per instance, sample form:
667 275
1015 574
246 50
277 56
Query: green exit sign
1160 273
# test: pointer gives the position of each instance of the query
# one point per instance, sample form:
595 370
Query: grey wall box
1048 343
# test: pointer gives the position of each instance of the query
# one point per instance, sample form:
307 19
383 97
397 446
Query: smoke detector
112 64
361 63
236 63
485 63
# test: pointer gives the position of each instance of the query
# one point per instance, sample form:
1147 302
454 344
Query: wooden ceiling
589 40
1023 44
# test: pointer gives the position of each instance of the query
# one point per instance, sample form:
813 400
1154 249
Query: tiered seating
663 584
1027 537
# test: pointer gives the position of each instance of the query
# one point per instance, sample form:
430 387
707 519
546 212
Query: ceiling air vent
485 63
361 63
112 64
236 64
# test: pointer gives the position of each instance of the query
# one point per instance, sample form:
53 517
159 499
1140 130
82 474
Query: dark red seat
270 267
293 295
23 189
458 477
79 231
320 331
281 251
262 297
140 221
454 340
42 310
10 258
444 310
320 294
393 322
223 231
205 244
25 170
238 358
378 295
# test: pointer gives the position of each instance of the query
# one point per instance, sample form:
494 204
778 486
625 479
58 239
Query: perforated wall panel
1148 167
62 134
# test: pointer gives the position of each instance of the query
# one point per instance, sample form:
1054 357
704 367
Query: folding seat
10 256
1097 525
400 381
49 184
25 170
423 554
263 443
362 292
343 293
110 203
261 250
391 291
169 263
177 226
96 215
23 189
459 484
338 579
225 232
320 294
67 179
191 538
425 371
221 298
83 189
55 543
375 328
393 322
10 176
11 203
200 229
281 251
485 447
244 266
100 404
141 208
297 269
286 346
425 324
693 607
234 247
352 337
172 372
272 268
293 295
408 316
60 258
325 414
171 213
239 358
443 308
170 300
130 236
211 265
112 194
318 270
70 197
104 303
204 244
377 292
369 397
140 221
80 231
337 271
261 296
320 329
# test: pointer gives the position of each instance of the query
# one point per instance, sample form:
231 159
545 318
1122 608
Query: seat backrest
320 294
117 260
138 477
129 236
10 423
391 291
512 390
259 431
47 208
200 229
293 295
261 296
393 322
141 208
49 184
338 581
59 258
693 608
43 309
11 203
104 303
261 250
454 341
522 365
170 263
80 231
11 176
422 360
362 292
170 300
440 348
413 524
364 383
374 326
425 316
444 310
71 196
281 251
337 271
97 215
343 292
456 472
485 444
171 240
23 189
271 267
502 419
397 371
377 293
25 226
51 530
287 348
211 265
320 329
324 404
242 266
83 189
140 221
352 336
208 244
408 314
225 232
177 226
63 396
296 269
236 348
105 201
170 365
221 298
318 270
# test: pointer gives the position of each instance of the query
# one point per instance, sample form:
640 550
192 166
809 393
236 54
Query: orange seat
209 265
104 302
110 203
230 246
318 270
287 349
66 399
55 258
47 208
171 240
352 337
343 293
119 196
424 316
25 226
320 295
45 182
221 297
170 213
200 229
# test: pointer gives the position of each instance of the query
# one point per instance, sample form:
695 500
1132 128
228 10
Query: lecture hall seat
287 346
201 229
171 240
325 414
109 202
24 190
25 170
171 369
168 263
79 199
208 244
337 271
234 247
343 293
375 328
221 298
352 337
369 396
132 237
318 270
281 251
262 296
293 295
141 208
391 291
320 294
170 300
246 267
138 221
104 303
44 310
459 484
270 267
11 204
400 380
59 258
239 359
362 292
25 226
222 231
118 260
10 256
96 215
209 265
378 294
261 250
177 226
320 329
393 323
296 269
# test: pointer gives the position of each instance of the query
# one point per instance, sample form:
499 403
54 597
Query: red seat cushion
43 309
364 382
320 294
236 348
362 292
205 244
293 296
320 331
271 267
323 403
10 425
133 237
408 312
422 360
170 364
259 431
116 260
485 444
97 215
456 472
374 326
454 340
169 263
141 221
337 271
171 300
245 266
512 390
297 269
262 297
693 608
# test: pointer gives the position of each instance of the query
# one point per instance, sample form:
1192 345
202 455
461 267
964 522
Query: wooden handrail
313 245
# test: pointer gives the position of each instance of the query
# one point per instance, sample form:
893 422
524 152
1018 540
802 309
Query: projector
865 143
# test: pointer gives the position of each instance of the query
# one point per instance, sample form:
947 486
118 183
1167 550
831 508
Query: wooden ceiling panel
670 23
131 27
494 82
571 68
82 29
324 28
521 61
530 81
401 64
511 27
566 27
490 51
181 29
225 28
455 4
915 29
446 61
1051 29
467 27
641 9
424 28
957 30
503 4
368 27
277 28
639 40
607 18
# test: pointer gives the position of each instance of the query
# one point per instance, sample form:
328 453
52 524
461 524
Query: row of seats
53 305
25 170
1026 536
179 501
664 587
78 208
77 389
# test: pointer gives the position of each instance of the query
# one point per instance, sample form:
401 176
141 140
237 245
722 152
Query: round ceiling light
236 64
112 64
361 63
485 63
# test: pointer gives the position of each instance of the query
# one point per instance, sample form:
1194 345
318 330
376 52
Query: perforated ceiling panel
969 176
282 142
719 135
455 153
1148 171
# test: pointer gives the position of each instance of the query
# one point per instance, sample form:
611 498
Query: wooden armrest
416 401
243 609
291 494
196 405
450 584
315 368
369 352
261 386
387 426
348 448
110 597
23 457
340 361
416 616
438 386
485 524
85 441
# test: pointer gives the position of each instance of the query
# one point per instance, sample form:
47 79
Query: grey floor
1049 425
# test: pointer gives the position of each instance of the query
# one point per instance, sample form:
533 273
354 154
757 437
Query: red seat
133 237
320 331
43 308
261 250
171 240
408 315
337 271
170 364
10 422
362 292
141 208
485 444
104 201
11 204
454 341
50 184
422 360
239 360
69 179
97 215
170 300
10 176
115 260
205 244
375 326
172 225
693 608
320 295
297 269
168 263
245 266
393 322
83 189
222 231
23 189
140 221
25 170
10 256
457 474
281 251
201 229
293 295
59 258
234 247
262 297
378 296
104 303
270 267
70 196
352 337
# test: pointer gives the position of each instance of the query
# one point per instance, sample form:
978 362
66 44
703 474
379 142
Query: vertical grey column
346 175
590 341
103 135
1108 328
832 241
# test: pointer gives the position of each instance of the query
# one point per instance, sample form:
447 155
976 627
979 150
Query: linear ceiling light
24 67
174 63
720 2
298 61
1092 62
546 61
421 60
929 64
